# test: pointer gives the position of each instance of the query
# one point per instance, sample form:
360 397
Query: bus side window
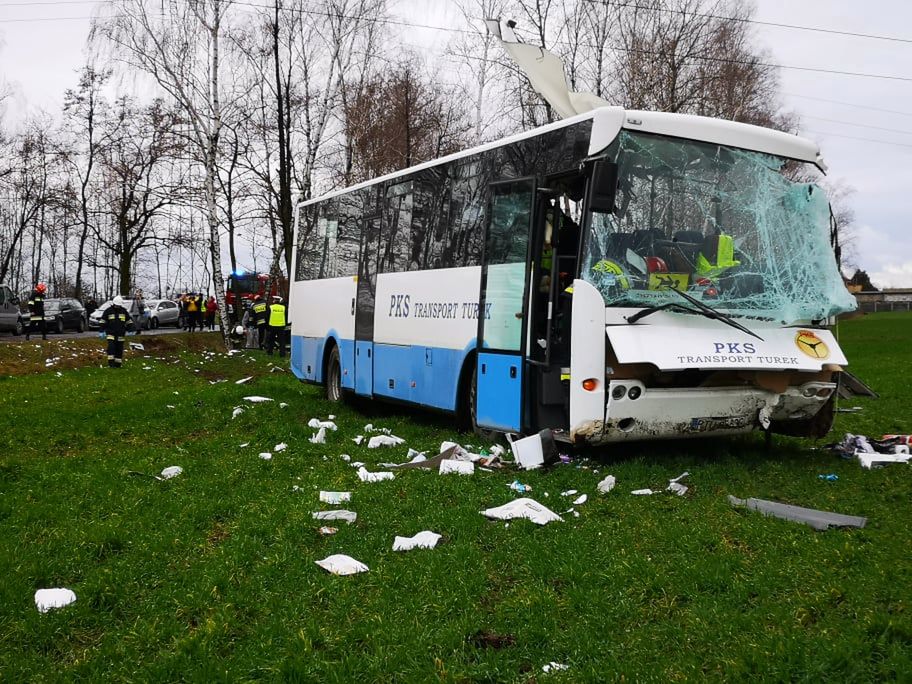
466 216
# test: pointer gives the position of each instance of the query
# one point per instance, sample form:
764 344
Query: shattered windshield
722 224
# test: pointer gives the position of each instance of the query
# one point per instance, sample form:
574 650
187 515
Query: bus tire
334 376
467 415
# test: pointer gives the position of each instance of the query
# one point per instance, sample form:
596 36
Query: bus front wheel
334 376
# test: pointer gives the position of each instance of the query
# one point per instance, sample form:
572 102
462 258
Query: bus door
368 261
502 314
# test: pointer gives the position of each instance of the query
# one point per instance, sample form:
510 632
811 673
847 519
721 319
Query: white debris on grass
366 476
319 438
448 466
607 484
523 508
358 439
137 346
554 667
345 457
58 597
317 423
347 516
335 498
569 492
676 486
580 500
283 405
642 492
356 464
257 399
327 531
238 410
422 540
384 440
245 444
170 406
518 486
281 446
243 380
171 471
265 455
413 456
232 352
340 564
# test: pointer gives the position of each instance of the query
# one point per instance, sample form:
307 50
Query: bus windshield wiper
662 307
710 312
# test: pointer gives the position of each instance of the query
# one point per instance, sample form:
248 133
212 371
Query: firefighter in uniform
258 314
114 327
36 312
275 333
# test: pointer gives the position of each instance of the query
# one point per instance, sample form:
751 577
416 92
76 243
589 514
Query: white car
162 312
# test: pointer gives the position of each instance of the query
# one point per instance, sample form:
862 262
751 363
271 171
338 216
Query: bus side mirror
603 186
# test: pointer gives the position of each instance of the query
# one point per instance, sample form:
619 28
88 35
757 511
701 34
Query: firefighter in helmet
36 312
114 328
259 312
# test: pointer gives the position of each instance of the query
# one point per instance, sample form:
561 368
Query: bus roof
607 123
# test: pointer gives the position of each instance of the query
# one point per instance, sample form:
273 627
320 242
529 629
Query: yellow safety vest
277 315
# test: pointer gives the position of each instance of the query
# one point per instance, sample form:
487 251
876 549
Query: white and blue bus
617 275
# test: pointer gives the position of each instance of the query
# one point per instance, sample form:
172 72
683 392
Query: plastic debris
580 500
281 446
830 477
341 514
171 471
384 440
319 438
642 492
257 399
356 464
238 410
460 467
327 531
365 476
819 520
245 444
283 405
607 484
243 380
523 508
873 460
345 457
317 423
58 597
535 451
265 455
413 456
554 667
357 440
676 486
569 492
518 486
335 498
422 540
340 564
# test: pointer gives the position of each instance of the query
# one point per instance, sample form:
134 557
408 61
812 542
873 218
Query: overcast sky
41 47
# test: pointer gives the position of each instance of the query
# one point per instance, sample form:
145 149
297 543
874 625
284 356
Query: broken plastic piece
317 423
831 477
819 520
459 467
365 476
358 439
580 500
58 597
347 516
535 451
422 540
335 498
569 492
319 438
518 486
554 667
257 399
384 440
243 380
872 460
266 456
642 492
238 410
607 484
523 508
171 471
281 446
340 564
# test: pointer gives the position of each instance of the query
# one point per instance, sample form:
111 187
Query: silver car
162 312
10 316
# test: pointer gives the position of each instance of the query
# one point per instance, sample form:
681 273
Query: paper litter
245 444
340 564
265 455
319 438
554 667
642 492
569 492
341 514
356 464
523 508
345 457
58 597
243 380
358 439
137 346
459 467
607 484
413 456
281 446
283 405
317 423
374 477
676 486
238 410
257 399
422 540
580 500
384 440
326 531
335 498
171 471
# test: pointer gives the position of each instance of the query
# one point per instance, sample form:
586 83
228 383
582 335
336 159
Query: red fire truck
249 285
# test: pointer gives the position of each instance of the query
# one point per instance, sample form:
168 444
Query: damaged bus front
706 285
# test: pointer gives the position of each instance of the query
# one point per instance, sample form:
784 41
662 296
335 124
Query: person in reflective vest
258 313
114 328
36 312
275 333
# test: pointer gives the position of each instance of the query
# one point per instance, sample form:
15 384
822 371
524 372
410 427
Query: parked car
11 317
163 312
137 319
61 314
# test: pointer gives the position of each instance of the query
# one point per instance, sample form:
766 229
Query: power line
848 104
849 123
852 137
797 27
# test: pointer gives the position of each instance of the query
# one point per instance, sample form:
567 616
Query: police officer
276 330
36 312
259 313
114 327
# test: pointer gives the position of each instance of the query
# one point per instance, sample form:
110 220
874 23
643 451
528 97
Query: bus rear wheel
334 376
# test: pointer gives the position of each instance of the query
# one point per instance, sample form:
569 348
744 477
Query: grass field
211 577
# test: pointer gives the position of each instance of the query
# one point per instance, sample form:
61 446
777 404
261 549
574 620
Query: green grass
211 576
